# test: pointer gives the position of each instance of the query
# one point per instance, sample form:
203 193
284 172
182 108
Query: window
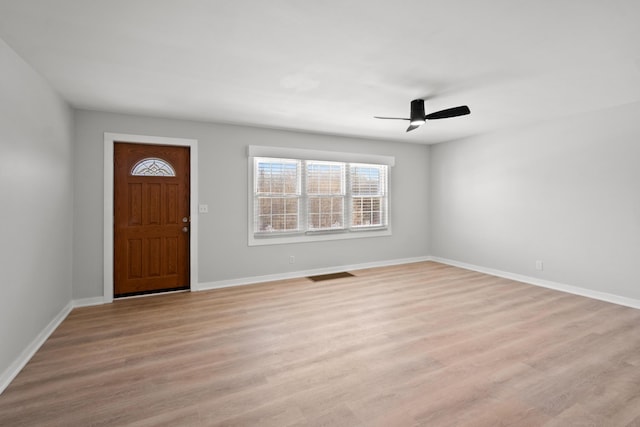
368 195
326 193
295 200
277 193
152 166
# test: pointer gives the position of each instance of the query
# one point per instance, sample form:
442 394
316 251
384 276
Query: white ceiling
329 66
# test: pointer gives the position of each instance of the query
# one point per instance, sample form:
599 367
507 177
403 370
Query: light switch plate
203 208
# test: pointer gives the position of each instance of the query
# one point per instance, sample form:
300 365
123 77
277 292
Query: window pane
367 212
264 206
314 221
277 206
153 166
291 205
326 213
277 222
277 176
314 204
264 223
376 218
291 222
368 180
277 214
325 178
336 221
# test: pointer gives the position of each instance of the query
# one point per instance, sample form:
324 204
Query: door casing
109 141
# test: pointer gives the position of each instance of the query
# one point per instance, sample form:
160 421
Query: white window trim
312 236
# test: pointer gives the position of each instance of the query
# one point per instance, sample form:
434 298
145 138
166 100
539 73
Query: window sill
317 236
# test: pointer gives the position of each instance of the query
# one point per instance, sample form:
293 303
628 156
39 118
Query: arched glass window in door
152 166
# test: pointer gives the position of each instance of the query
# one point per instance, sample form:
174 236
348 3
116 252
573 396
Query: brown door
151 218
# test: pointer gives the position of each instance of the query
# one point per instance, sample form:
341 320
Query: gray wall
564 192
223 250
36 215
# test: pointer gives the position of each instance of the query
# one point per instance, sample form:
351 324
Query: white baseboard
576 290
14 369
304 273
26 355
87 302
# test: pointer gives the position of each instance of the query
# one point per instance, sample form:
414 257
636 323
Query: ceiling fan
418 117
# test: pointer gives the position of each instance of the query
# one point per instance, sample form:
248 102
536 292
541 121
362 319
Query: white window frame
307 196
297 195
259 239
383 196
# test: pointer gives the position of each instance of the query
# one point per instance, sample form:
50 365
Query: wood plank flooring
415 345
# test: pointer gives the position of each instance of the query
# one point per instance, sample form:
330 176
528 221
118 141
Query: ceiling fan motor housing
417 109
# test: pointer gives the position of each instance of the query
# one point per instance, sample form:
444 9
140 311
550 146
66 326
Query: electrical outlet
292 259
203 208
539 265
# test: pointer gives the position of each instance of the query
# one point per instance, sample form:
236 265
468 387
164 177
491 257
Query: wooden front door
151 218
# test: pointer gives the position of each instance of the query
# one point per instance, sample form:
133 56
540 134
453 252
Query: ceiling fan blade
390 118
412 127
449 112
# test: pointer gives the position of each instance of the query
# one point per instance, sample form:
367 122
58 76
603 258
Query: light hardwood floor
418 344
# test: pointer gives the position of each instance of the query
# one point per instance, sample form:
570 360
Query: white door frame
109 141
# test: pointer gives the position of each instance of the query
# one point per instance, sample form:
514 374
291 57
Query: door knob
185 229
185 219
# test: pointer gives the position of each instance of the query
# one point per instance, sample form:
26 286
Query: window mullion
303 213
348 197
